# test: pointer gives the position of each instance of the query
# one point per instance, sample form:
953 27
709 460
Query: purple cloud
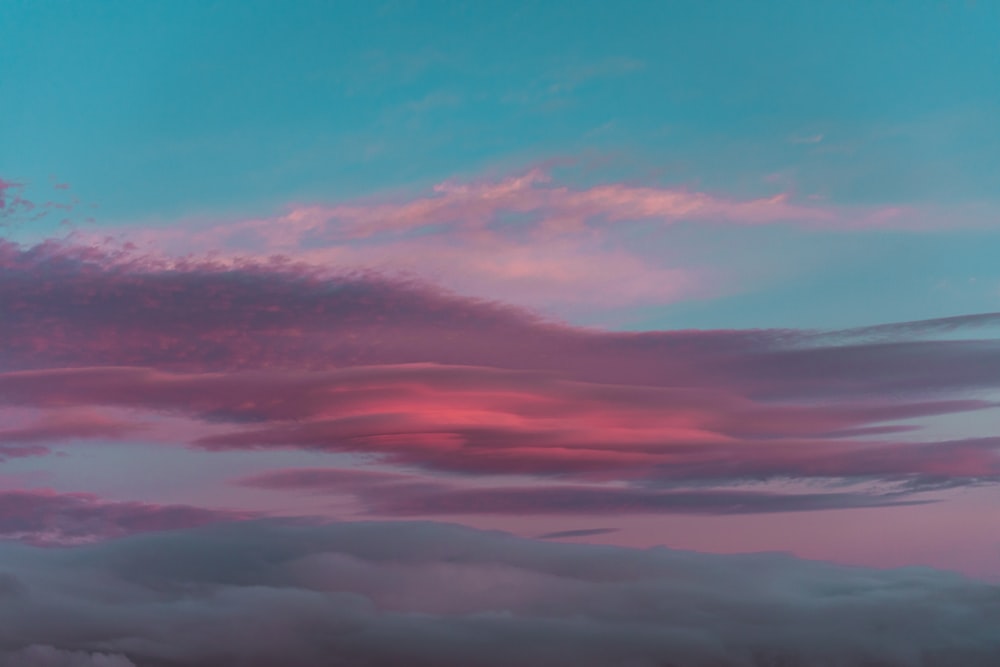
48 518
582 532
392 494
273 356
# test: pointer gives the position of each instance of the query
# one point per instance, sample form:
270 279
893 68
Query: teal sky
159 111
248 103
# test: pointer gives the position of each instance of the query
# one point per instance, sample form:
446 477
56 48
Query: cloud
12 202
45 517
525 238
8 192
477 420
381 594
62 425
15 207
78 306
920 329
75 305
504 212
393 494
282 356
476 204
277 355
580 500
583 532
48 656
20 451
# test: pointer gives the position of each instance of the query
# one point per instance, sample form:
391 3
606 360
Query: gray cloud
394 494
262 594
48 656
44 517
582 532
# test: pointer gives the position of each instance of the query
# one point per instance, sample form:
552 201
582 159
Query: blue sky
159 107
159 111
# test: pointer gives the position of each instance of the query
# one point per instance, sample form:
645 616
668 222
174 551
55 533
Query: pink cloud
44 517
557 273
282 356
11 200
525 207
524 238
16 207
64 424
520 238
472 205
486 420
79 306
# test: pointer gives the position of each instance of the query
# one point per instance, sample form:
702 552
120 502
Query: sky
530 333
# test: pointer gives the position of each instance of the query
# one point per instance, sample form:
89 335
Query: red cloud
487 420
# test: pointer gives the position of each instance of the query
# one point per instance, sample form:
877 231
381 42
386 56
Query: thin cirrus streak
531 205
281 356
582 532
474 206
394 494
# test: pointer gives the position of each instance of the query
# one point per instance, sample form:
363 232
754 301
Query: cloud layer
44 517
278 356
388 594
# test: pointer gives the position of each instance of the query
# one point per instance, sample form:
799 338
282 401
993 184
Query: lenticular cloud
254 356
263 594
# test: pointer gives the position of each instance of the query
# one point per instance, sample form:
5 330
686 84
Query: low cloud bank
421 594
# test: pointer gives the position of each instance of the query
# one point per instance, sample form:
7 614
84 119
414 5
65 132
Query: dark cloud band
392 594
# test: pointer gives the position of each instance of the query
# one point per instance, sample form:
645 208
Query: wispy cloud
16 207
807 138
525 238
393 494
582 532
